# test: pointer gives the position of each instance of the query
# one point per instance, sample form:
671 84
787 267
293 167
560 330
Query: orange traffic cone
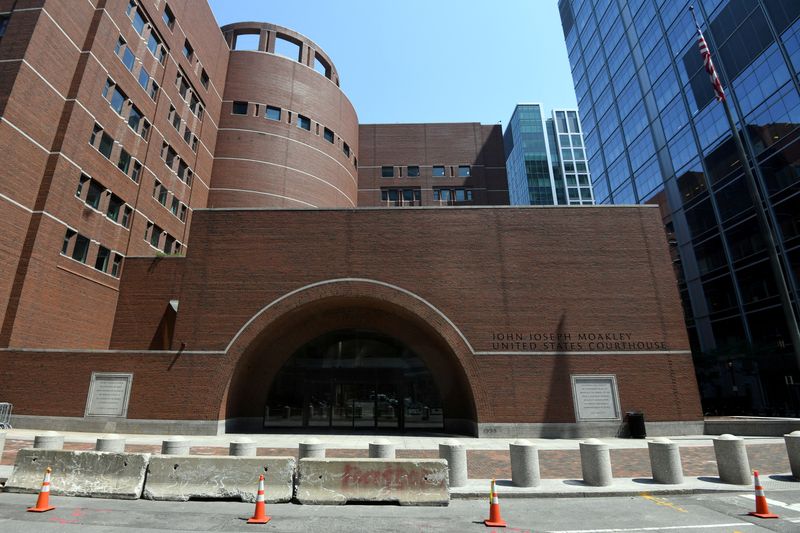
43 502
494 520
762 509
261 508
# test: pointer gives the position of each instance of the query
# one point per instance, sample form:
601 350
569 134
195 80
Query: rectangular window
346 149
183 213
273 113
138 22
188 51
387 172
304 122
169 242
328 135
154 45
204 78
101 263
119 47
109 84
464 171
155 236
183 87
126 216
438 171
162 195
124 163
144 78
115 204
94 195
3 24
413 171
118 100
106 145
239 108
168 17
175 204
128 59
68 236
116 265
182 168
194 104
137 171
176 122
81 250
153 90
187 135
135 118
84 179
194 143
170 159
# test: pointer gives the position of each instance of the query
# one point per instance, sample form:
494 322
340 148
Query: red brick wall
425 145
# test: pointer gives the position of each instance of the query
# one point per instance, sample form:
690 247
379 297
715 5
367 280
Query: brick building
299 300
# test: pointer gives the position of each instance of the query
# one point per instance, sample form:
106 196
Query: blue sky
430 60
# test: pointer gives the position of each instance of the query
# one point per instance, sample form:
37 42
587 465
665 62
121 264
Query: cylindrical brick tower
288 136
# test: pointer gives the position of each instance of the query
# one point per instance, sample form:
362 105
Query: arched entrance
270 351
354 380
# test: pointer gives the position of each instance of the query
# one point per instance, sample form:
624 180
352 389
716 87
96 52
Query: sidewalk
559 459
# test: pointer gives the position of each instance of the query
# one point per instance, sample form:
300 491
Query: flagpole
766 230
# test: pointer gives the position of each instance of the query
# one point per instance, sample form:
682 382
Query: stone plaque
108 394
595 397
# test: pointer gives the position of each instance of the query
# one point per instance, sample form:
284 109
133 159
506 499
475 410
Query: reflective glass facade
545 159
655 134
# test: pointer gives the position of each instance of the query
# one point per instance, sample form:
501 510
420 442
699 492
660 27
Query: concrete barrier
2 443
403 481
665 461
381 449
524 464
732 462
242 447
181 478
110 443
595 463
455 454
80 473
49 440
311 448
792 441
175 446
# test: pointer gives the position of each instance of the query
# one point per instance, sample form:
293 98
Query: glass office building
655 134
545 159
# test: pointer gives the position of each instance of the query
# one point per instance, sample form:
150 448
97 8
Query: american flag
712 73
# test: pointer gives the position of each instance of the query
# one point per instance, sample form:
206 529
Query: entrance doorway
354 380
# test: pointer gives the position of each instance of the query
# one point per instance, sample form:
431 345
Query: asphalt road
711 513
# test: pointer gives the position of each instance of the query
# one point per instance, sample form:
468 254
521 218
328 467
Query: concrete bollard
242 447
381 449
49 440
312 449
175 446
110 443
456 455
732 462
524 463
596 463
792 441
665 461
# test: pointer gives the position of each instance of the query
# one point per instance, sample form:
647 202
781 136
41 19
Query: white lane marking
776 503
663 528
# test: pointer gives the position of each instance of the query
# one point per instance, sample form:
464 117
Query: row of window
176 164
96 196
176 121
189 95
77 247
302 122
125 108
161 240
176 207
413 196
437 171
104 143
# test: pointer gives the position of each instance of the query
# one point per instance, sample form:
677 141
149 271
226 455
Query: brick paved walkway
486 464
